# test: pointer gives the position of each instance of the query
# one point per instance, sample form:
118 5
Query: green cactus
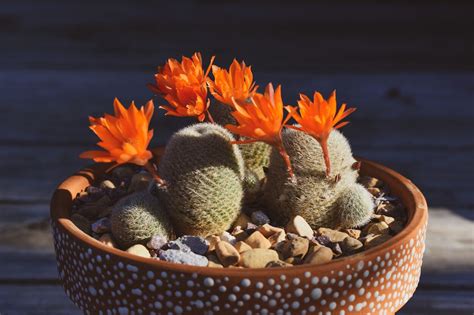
256 155
137 217
221 113
204 174
337 201
354 206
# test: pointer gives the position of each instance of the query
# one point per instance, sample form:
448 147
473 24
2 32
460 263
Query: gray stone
195 244
260 218
101 226
156 242
182 257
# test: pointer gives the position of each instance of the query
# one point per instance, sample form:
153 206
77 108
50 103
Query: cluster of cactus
336 201
206 175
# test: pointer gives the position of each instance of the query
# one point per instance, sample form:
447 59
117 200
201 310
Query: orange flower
318 118
236 83
124 137
262 120
183 85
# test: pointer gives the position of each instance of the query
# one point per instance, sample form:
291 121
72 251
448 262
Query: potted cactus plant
240 207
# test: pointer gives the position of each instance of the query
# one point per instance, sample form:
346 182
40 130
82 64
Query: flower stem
150 168
286 158
324 145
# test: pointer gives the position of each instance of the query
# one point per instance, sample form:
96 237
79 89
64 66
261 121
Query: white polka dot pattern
103 283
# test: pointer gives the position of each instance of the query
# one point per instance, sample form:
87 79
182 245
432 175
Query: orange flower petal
124 137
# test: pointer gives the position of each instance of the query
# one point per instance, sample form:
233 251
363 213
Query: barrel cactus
204 174
336 201
137 217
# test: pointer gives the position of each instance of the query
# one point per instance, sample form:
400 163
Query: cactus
137 217
221 113
204 174
333 202
256 155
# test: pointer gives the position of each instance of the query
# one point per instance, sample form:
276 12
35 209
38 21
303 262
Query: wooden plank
35 299
394 110
439 302
363 35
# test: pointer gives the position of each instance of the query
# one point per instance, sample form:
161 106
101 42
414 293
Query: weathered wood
440 302
35 299
366 36
394 110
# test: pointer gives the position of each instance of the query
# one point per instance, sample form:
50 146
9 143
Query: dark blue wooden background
406 65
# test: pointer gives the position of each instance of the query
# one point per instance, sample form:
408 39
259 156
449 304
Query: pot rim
61 203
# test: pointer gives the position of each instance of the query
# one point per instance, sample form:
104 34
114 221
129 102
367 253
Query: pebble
107 184
350 245
299 226
353 233
268 230
319 256
139 182
182 257
384 218
229 238
156 242
104 212
214 262
396 227
374 191
258 257
336 249
122 172
278 263
95 192
195 244
107 240
241 221
378 228
251 228
371 182
321 240
101 226
277 237
227 253
139 250
89 210
212 240
81 223
333 235
373 240
242 247
296 247
259 218
240 235
257 240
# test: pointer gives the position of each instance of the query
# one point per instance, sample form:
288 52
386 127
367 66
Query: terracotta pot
100 279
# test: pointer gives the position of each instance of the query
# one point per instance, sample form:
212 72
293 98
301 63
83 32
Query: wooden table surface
406 66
